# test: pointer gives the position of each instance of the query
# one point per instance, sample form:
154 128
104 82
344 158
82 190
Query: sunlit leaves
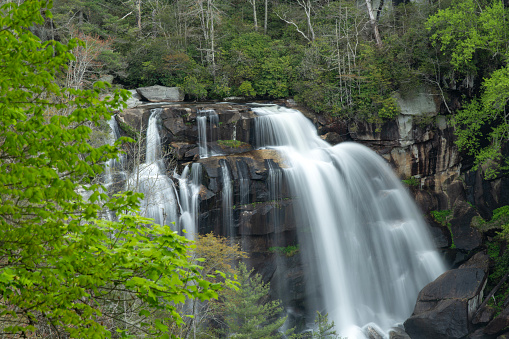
60 266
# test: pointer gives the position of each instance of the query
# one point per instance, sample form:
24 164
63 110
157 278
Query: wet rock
446 320
373 333
229 147
465 236
445 306
498 325
266 218
181 150
484 315
161 93
135 118
479 334
479 260
398 333
332 138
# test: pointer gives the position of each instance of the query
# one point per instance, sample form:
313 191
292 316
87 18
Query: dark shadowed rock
398 333
484 315
446 320
479 260
332 138
445 306
499 325
465 237
161 93
479 334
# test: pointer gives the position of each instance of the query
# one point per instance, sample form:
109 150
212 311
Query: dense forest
83 276
345 59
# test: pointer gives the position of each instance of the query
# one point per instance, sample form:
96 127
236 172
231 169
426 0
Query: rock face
134 100
446 306
160 93
418 144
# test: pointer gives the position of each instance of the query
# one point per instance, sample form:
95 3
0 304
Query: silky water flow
366 245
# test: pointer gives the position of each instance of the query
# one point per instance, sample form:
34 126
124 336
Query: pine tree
247 314
324 328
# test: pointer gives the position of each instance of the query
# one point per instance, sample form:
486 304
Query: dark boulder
446 306
499 325
464 235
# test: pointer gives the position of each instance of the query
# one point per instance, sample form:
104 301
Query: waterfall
113 166
367 248
189 190
244 182
203 135
149 178
227 199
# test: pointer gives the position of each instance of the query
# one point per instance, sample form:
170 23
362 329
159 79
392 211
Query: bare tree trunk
374 23
266 17
138 10
306 4
255 18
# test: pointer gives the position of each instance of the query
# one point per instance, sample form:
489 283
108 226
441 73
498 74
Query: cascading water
243 175
189 189
227 203
113 166
360 232
203 135
149 178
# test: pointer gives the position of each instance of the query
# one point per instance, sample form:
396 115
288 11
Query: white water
205 134
189 189
149 178
227 203
113 166
368 246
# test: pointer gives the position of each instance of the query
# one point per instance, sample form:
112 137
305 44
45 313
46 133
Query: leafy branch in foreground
63 271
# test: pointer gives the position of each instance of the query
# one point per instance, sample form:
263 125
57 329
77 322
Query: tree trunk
266 16
138 10
374 23
255 18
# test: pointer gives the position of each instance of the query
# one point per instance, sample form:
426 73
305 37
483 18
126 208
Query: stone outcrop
160 93
416 145
446 306
134 100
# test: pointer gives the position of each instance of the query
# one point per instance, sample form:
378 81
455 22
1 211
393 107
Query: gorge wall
419 145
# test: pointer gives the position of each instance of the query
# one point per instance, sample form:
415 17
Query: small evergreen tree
324 328
247 314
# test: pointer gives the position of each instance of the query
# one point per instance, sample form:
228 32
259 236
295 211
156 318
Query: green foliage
443 217
324 328
246 89
63 269
469 32
468 26
257 65
289 250
500 257
231 143
247 313
411 182
194 89
498 253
